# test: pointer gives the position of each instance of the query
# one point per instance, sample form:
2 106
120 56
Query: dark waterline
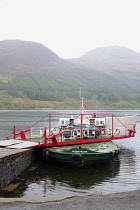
51 179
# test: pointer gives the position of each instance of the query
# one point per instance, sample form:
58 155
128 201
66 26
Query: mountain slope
110 59
21 57
31 70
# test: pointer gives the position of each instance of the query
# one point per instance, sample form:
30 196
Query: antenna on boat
80 93
82 105
96 109
81 100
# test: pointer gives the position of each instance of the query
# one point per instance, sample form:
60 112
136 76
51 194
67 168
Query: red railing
48 135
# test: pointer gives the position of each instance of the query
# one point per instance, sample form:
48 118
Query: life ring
118 131
76 134
76 158
86 133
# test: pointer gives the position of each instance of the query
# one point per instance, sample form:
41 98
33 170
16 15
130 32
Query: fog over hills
110 59
21 57
31 70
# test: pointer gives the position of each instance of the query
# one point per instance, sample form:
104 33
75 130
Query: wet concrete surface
117 201
6 153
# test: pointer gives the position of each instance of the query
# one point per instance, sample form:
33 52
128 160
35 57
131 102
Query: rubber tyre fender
117 153
112 155
76 158
43 153
47 155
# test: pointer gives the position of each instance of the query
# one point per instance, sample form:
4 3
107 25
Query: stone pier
13 162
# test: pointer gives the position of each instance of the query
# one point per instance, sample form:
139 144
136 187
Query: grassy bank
9 102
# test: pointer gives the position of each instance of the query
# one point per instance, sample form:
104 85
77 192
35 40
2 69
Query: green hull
83 154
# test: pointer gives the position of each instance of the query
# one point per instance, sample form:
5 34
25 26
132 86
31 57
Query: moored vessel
77 139
83 154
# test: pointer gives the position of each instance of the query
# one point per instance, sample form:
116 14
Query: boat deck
94 147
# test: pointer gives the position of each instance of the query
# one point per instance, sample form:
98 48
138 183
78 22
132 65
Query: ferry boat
74 135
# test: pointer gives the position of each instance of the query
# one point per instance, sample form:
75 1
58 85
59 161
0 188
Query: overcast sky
70 28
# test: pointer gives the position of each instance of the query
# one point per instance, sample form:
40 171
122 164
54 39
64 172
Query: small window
97 122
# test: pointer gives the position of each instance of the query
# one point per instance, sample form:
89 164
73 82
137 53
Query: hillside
110 59
31 71
23 57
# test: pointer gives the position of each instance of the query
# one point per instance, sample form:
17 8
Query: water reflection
56 179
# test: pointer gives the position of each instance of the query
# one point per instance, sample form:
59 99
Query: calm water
43 179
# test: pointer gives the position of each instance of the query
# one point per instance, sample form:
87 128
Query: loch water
50 179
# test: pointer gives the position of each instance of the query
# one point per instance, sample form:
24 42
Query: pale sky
70 28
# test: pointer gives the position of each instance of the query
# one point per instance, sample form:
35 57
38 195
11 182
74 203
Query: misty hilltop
109 59
32 71
24 57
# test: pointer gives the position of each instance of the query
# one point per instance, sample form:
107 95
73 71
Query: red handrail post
49 124
112 125
14 132
81 128
22 134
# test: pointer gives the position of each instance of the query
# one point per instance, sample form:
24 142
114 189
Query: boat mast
82 104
